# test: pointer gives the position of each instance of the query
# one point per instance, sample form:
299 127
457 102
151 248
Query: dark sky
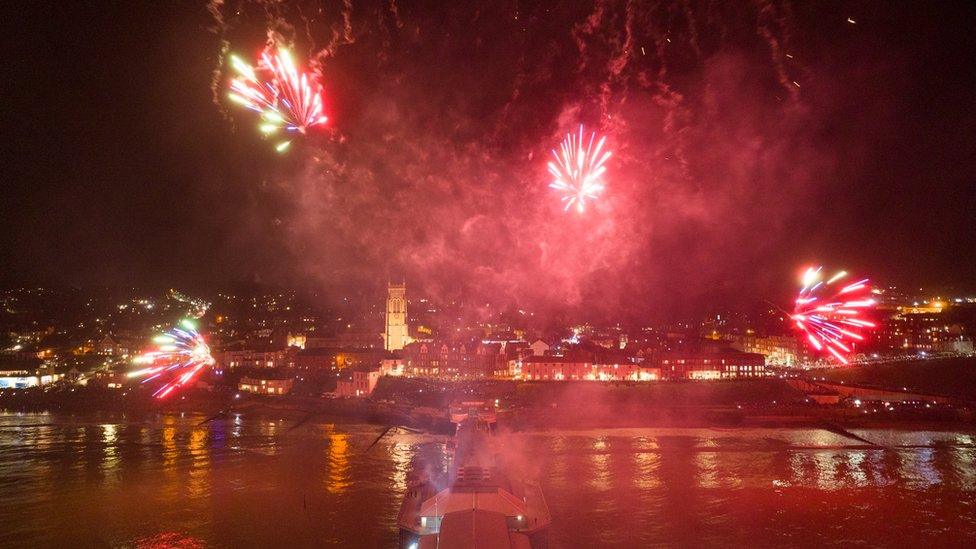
749 139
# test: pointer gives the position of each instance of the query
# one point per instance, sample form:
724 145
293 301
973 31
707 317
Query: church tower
396 336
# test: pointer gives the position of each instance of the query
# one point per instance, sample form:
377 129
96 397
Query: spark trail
578 169
181 354
830 313
288 100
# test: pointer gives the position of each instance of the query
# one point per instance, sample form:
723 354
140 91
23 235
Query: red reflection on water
170 540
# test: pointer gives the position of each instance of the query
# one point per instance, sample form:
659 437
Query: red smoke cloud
445 121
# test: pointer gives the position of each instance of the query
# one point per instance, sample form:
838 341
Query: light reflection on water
400 455
172 481
600 462
338 463
110 460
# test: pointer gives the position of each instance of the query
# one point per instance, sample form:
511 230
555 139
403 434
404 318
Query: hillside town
275 343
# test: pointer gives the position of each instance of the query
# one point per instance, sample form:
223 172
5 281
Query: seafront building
29 377
785 351
358 382
562 368
266 386
728 364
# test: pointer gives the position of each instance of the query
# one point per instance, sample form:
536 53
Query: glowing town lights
578 169
181 354
287 99
831 320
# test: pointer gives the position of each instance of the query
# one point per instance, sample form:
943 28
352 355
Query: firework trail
578 168
287 99
180 355
214 8
829 314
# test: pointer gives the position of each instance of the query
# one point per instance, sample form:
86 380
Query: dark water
167 482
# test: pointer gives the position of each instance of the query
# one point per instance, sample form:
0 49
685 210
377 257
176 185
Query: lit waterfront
253 482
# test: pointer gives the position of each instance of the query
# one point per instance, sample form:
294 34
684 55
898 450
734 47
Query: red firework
287 98
830 313
180 356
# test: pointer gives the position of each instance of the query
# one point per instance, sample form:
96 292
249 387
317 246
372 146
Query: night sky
749 139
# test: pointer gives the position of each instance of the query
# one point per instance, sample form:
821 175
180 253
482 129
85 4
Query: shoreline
299 417
423 405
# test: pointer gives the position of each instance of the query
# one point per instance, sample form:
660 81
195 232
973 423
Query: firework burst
288 100
578 169
830 312
180 355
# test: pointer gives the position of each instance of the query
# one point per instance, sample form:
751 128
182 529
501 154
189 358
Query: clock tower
396 335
